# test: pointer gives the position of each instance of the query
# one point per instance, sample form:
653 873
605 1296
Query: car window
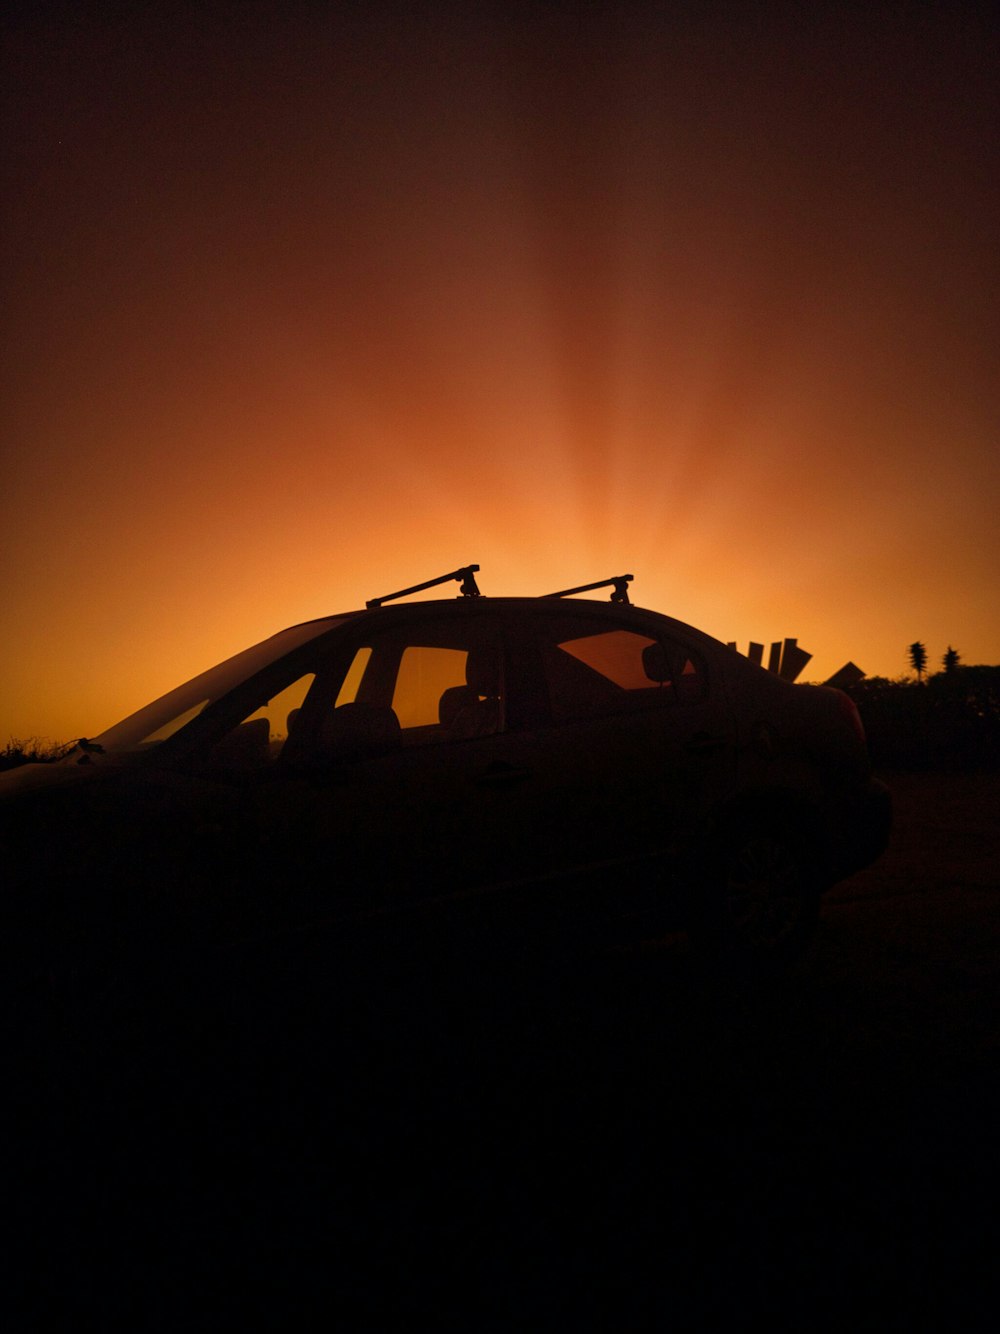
168 714
173 725
593 669
615 655
348 691
260 737
281 712
424 682
425 674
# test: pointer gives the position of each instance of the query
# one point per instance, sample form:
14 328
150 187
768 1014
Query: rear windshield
168 714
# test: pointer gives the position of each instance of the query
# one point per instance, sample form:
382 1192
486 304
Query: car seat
474 709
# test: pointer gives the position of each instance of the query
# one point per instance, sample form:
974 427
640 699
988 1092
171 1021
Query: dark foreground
620 1141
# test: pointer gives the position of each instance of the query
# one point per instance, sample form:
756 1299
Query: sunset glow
301 309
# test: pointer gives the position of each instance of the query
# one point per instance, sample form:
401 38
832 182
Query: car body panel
513 756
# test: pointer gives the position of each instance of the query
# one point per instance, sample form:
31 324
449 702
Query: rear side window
438 679
424 675
614 655
593 669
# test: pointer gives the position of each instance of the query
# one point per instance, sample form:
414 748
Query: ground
632 1139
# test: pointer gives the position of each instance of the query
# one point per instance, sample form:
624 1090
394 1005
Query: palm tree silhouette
918 658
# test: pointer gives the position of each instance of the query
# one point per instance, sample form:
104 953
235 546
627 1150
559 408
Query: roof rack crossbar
619 584
467 574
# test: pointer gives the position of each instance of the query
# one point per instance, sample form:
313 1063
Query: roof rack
619 583
468 590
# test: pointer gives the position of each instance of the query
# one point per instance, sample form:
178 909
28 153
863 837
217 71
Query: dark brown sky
303 302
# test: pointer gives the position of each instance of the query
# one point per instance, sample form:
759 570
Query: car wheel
760 898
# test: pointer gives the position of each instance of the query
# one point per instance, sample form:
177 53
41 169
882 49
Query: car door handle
500 774
702 743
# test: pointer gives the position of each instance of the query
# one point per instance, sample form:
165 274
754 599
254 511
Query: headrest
360 731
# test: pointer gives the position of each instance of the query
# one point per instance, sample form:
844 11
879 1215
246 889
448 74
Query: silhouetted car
514 765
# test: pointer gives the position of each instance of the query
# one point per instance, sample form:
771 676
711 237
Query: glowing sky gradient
302 306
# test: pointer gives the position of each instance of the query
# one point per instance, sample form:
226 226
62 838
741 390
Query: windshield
168 714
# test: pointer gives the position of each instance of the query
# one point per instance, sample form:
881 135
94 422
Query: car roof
546 605
466 575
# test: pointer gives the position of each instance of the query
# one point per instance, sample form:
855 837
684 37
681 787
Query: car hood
27 778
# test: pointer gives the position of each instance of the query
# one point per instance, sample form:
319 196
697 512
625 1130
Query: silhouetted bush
949 721
32 750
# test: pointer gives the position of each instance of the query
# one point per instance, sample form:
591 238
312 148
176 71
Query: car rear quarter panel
798 751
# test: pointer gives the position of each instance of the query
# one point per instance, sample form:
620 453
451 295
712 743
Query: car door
395 781
633 747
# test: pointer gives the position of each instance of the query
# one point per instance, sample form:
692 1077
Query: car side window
261 736
447 684
426 675
421 683
593 668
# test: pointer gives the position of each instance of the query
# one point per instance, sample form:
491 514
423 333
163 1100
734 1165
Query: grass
31 750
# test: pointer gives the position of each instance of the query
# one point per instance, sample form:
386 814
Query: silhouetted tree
950 660
918 658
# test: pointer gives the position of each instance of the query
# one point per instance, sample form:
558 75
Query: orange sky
302 307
